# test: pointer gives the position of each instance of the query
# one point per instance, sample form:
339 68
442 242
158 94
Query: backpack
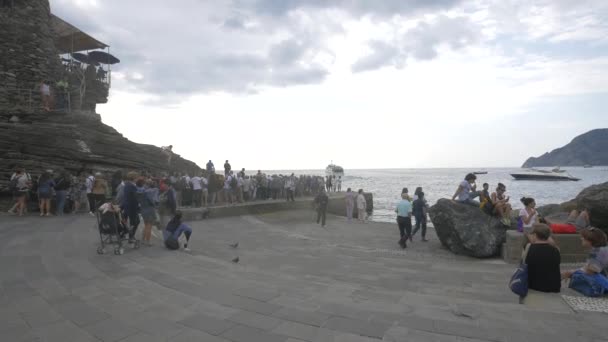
233 182
519 280
171 243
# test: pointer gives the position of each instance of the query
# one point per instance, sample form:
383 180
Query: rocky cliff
75 142
590 148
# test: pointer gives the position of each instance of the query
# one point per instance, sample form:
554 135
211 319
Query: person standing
210 167
290 187
339 183
20 184
361 206
321 201
45 192
45 93
197 190
349 200
100 188
404 219
205 185
228 187
62 185
147 203
130 206
419 210
89 182
227 168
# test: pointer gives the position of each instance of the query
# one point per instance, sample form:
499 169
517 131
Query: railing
20 100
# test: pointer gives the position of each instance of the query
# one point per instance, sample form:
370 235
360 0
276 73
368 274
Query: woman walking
62 186
361 206
147 204
349 199
21 183
45 193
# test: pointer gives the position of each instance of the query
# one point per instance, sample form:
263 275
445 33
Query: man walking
361 206
404 220
321 202
419 209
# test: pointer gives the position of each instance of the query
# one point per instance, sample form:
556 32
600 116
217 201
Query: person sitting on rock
485 200
543 260
175 228
466 191
500 204
591 279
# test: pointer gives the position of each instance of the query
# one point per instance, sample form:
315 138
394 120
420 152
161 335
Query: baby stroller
112 231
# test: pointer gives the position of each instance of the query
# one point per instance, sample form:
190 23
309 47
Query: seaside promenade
295 281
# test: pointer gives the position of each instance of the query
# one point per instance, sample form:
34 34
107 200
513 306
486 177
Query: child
174 230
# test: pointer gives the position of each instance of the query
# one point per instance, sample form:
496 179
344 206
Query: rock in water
466 230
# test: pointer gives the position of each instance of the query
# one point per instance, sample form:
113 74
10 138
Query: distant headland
589 149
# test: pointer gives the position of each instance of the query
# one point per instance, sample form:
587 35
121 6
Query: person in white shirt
361 206
89 182
246 188
239 188
227 188
205 185
197 190
528 215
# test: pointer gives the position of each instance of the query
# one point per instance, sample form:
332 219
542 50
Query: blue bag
595 285
519 281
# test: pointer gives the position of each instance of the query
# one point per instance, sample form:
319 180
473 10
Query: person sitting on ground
575 223
466 191
175 228
500 204
591 280
543 260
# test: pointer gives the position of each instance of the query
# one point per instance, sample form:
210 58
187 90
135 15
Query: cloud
421 42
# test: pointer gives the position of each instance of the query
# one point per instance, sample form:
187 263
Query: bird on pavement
234 245
235 260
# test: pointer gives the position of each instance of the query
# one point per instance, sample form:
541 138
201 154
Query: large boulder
594 198
466 230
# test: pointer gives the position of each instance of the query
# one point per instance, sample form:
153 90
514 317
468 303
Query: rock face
590 148
76 142
594 198
466 230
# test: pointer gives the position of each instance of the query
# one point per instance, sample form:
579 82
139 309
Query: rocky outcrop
466 230
594 198
590 148
76 142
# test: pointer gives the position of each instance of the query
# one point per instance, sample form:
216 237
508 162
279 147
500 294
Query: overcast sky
288 84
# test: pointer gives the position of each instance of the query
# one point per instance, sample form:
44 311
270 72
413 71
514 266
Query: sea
386 184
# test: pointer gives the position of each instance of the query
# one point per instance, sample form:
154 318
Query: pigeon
235 260
234 245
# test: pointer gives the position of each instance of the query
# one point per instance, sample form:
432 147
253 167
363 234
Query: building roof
68 38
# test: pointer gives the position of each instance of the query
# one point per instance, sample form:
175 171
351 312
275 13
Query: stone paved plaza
295 282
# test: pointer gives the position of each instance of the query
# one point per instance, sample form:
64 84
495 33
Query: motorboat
480 172
334 170
558 170
543 175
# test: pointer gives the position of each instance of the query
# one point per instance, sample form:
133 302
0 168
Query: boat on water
543 175
334 170
480 172
558 170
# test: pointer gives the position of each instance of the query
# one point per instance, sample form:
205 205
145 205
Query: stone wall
27 54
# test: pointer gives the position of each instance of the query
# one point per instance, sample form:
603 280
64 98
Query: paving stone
82 314
241 333
255 320
260 294
143 337
190 335
315 318
62 332
110 330
355 326
250 305
303 331
207 324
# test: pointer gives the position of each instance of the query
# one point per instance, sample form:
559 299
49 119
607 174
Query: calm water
386 185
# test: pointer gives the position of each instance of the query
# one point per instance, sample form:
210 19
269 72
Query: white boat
334 170
558 170
543 175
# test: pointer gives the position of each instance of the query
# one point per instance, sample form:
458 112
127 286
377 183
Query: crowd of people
541 253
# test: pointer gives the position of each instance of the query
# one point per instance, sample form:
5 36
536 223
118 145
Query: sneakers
91 213
424 240
186 249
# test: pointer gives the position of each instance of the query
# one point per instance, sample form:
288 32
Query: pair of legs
579 219
197 196
45 206
228 196
61 195
290 195
182 229
361 214
133 217
20 206
91 199
205 197
349 211
321 215
405 230
503 210
420 223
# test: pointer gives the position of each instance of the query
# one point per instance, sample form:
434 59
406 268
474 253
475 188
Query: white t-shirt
524 215
196 183
361 203
227 182
204 183
89 184
466 189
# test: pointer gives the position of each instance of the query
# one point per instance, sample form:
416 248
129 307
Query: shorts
45 195
149 215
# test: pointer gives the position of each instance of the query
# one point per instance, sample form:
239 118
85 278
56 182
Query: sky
288 84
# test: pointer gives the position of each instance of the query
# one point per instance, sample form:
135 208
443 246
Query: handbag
519 280
595 285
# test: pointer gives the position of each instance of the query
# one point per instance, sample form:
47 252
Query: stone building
36 45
